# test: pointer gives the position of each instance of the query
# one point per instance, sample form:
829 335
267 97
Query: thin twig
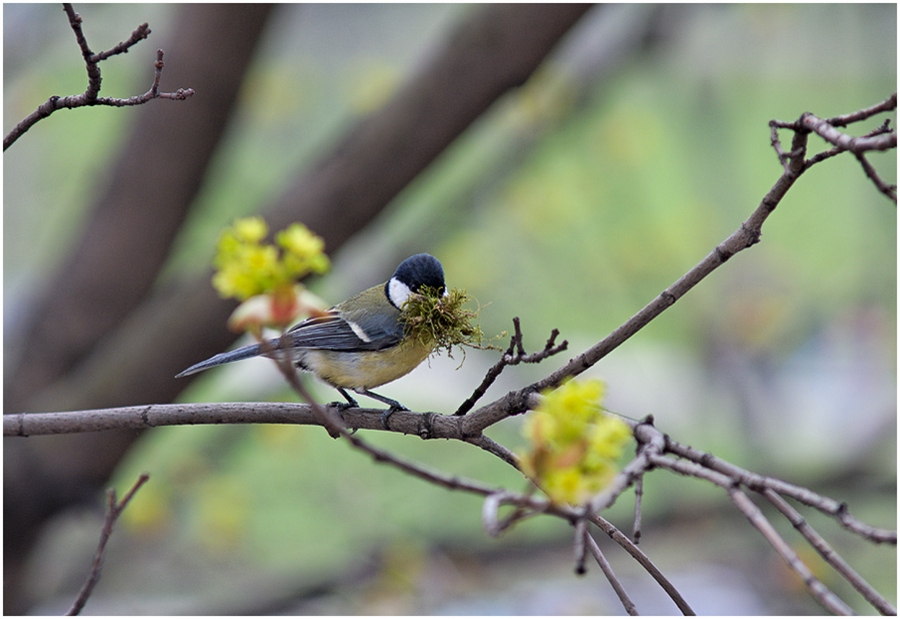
331 421
592 545
525 507
885 106
632 471
760 483
889 190
638 504
90 96
140 33
622 540
775 141
829 555
851 143
493 447
882 138
514 355
636 528
113 511
819 591
580 546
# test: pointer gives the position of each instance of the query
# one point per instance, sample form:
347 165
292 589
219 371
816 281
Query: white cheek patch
359 331
398 292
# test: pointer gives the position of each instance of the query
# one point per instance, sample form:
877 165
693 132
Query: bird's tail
245 352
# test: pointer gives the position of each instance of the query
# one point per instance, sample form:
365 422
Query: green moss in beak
442 320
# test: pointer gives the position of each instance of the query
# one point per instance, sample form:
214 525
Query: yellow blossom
247 268
303 250
250 229
574 445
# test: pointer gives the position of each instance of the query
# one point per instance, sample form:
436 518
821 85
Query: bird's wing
332 332
327 332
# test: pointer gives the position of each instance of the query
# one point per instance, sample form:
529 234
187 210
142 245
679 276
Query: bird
358 344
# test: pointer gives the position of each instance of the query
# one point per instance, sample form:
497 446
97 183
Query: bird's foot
387 414
342 406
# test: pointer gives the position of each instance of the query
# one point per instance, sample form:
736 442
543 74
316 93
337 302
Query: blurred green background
571 204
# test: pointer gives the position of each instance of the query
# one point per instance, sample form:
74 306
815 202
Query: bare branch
638 509
885 106
880 139
91 94
827 552
492 446
140 33
151 416
580 546
820 592
855 145
889 190
630 608
783 157
631 548
514 355
113 511
760 483
525 507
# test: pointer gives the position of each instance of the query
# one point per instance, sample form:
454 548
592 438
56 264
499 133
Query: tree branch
514 355
829 555
610 575
747 235
156 415
880 139
759 483
819 591
885 106
91 94
113 511
638 555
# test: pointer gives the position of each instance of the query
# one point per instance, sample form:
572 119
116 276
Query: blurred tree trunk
115 263
154 180
129 353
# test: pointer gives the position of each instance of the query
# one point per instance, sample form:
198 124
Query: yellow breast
367 369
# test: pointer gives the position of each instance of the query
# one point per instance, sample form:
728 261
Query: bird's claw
342 406
387 414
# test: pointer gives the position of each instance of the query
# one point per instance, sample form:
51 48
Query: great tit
357 344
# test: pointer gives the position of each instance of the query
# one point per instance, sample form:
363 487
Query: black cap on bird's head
412 274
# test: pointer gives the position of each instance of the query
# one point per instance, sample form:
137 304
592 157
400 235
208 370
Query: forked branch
91 94
113 511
